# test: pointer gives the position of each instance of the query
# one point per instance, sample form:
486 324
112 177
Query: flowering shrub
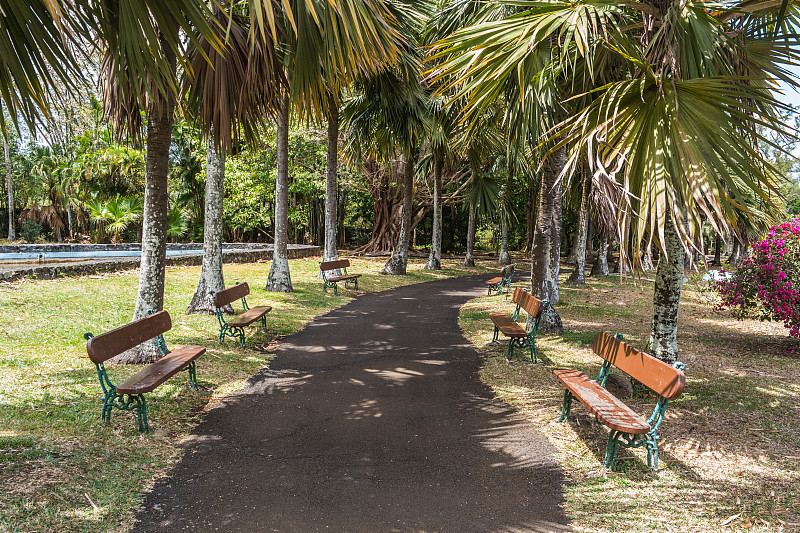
767 284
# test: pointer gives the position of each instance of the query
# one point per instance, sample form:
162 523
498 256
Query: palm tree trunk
505 258
718 250
10 191
152 268
542 249
435 257
667 297
578 276
398 262
469 258
600 267
330 253
211 276
280 279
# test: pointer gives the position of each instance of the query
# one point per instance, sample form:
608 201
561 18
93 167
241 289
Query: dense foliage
767 284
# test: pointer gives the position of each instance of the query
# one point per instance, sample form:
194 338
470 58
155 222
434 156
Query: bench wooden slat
157 373
231 294
343 278
335 265
531 304
606 407
506 325
103 347
662 378
494 281
250 316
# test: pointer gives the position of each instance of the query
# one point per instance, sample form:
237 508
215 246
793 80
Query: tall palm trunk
280 279
211 277
667 297
505 258
10 191
600 267
152 268
435 257
469 258
542 282
332 163
578 276
398 262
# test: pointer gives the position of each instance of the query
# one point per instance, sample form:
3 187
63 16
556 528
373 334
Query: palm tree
140 66
331 42
229 95
678 125
386 120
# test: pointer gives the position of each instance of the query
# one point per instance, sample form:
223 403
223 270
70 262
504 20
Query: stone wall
244 254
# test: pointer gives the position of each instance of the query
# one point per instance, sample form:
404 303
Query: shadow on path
372 418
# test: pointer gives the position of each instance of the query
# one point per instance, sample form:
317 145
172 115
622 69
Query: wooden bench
503 280
628 428
332 280
234 327
517 335
129 395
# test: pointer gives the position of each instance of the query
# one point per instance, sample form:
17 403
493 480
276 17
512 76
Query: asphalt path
372 418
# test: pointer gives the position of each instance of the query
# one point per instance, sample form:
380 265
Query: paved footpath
370 419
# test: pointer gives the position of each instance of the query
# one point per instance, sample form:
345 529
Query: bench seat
517 335
606 407
234 327
250 316
335 271
503 280
627 428
506 325
157 373
129 395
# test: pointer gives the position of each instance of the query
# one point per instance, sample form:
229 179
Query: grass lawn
60 469
730 447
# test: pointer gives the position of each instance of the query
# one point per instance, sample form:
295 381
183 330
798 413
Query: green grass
60 469
729 451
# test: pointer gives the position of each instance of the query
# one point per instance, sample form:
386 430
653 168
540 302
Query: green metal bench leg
566 406
496 334
652 452
191 368
141 412
510 353
611 449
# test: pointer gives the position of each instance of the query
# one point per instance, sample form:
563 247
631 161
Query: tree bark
542 249
435 256
505 257
398 262
280 279
152 269
578 276
211 276
717 250
733 259
332 168
469 258
600 267
667 297
9 191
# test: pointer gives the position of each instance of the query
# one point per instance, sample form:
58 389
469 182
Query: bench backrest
665 380
508 270
531 304
334 265
231 294
114 342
